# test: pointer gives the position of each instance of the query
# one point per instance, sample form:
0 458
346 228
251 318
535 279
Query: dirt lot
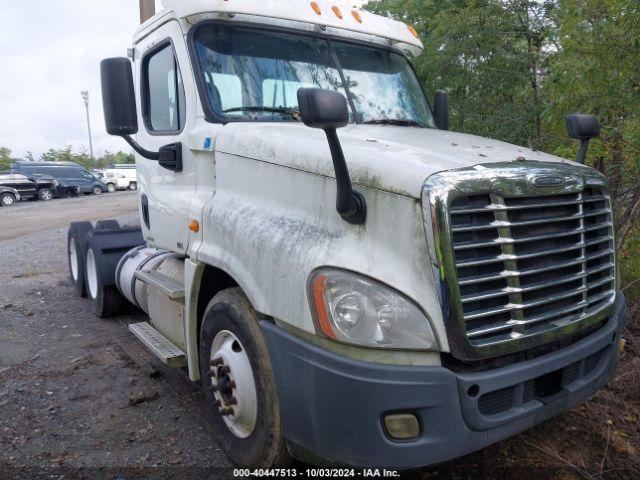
80 398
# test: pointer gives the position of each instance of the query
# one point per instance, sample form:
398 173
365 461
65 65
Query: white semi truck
348 280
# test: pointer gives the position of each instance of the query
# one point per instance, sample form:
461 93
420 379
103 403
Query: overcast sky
50 50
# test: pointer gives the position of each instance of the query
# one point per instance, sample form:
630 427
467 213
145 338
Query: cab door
165 115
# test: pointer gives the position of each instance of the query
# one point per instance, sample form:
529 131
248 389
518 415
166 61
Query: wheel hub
233 384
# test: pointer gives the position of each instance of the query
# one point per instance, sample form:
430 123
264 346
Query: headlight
56 183
354 309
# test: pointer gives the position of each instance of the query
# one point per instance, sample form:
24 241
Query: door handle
171 157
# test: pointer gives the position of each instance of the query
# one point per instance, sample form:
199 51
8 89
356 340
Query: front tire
111 188
133 186
96 190
238 383
45 194
7 200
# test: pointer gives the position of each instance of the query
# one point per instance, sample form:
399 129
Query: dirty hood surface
389 158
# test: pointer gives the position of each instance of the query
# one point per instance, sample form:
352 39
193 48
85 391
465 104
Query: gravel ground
68 381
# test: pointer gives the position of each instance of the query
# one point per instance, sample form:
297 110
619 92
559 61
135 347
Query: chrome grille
528 264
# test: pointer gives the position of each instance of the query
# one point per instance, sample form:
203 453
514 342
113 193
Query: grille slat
531 288
504 257
494 208
510 241
501 224
527 264
522 306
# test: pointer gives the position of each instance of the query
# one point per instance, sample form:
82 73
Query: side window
164 96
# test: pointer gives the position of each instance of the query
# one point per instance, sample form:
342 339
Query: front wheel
7 200
111 188
133 186
96 190
45 194
238 383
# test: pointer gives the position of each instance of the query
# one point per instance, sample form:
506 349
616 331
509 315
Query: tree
5 158
491 55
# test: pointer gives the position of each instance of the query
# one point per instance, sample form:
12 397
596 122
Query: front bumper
334 407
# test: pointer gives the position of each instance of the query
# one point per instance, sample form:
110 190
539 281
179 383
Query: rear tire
45 194
252 435
7 200
76 245
96 190
106 301
110 225
133 186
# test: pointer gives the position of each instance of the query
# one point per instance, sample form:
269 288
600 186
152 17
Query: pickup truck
349 280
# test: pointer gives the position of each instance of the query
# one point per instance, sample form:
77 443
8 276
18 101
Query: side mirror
441 110
118 97
121 115
584 128
329 111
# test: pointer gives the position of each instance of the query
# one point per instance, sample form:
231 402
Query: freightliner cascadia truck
348 280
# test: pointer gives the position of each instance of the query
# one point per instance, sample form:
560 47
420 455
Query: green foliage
516 68
5 158
68 155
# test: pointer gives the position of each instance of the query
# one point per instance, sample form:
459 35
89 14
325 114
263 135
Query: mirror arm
145 153
582 152
351 205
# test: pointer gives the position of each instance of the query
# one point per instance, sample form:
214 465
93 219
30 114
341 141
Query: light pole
85 97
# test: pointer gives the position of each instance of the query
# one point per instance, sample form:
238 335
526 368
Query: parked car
35 186
73 178
8 196
120 179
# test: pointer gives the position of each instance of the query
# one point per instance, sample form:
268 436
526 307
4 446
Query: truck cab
350 281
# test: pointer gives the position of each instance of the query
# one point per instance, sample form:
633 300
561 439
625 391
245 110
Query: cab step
159 345
167 285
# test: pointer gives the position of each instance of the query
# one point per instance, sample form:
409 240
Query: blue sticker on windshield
207 143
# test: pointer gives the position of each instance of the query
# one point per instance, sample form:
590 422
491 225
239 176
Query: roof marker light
357 16
316 8
337 11
413 31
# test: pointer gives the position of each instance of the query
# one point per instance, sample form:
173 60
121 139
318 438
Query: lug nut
217 404
225 412
232 401
216 362
225 369
212 374
214 389
232 385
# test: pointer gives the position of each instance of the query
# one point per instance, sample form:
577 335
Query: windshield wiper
292 112
395 122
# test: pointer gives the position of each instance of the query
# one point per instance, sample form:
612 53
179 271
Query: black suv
73 178
37 186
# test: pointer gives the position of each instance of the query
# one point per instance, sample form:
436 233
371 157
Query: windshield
254 75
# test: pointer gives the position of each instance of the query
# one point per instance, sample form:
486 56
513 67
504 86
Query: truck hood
389 158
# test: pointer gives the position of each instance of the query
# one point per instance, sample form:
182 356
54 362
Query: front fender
270 227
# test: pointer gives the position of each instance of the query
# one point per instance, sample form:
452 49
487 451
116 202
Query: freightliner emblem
549 181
